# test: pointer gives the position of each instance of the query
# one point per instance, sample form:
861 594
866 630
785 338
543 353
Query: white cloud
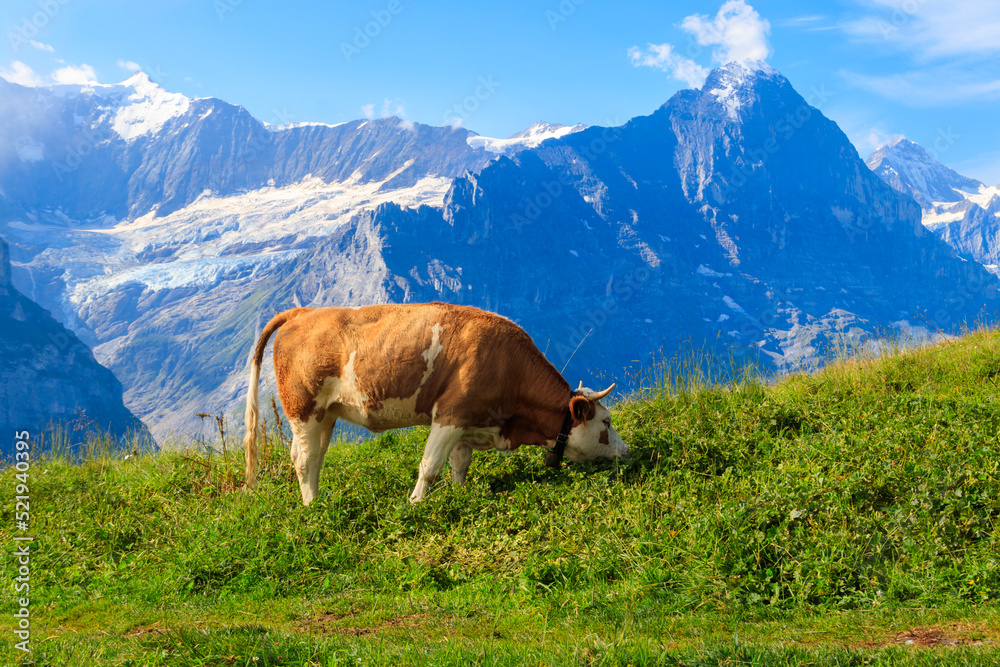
129 66
937 86
389 109
802 21
932 29
953 47
82 75
42 46
874 138
662 57
737 30
21 74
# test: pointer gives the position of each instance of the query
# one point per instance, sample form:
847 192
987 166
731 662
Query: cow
476 378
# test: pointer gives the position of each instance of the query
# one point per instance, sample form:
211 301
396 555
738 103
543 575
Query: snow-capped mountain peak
731 84
529 138
147 109
135 107
964 212
907 167
541 131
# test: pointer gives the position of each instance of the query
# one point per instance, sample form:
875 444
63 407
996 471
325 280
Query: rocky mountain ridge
964 212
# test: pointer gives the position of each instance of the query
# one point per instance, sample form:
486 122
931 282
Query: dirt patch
332 623
146 630
953 635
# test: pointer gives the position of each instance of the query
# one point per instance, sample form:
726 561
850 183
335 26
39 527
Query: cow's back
386 366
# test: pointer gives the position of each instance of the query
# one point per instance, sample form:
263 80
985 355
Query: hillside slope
870 488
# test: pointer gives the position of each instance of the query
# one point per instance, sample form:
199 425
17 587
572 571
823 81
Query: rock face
48 377
128 149
736 220
964 212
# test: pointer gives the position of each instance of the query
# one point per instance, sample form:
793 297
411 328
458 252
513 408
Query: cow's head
591 436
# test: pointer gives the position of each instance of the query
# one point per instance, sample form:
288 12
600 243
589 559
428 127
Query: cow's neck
543 407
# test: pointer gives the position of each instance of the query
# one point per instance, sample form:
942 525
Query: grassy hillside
827 519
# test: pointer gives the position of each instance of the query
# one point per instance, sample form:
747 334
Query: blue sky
926 69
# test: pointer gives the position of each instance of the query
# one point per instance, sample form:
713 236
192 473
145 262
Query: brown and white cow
474 377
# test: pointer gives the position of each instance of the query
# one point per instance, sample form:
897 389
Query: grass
825 519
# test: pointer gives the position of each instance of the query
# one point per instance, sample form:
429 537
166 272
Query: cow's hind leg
307 456
326 435
460 459
439 445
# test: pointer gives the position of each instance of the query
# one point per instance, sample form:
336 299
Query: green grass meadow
843 517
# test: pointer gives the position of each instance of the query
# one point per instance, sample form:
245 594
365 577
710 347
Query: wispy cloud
985 167
662 57
874 138
938 86
952 48
390 108
810 23
22 74
42 46
930 30
129 66
737 31
802 21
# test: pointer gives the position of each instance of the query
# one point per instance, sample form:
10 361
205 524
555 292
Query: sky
928 70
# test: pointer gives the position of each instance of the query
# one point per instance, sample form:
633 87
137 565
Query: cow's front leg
460 459
439 445
307 456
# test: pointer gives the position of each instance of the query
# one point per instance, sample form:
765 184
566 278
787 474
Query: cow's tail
250 441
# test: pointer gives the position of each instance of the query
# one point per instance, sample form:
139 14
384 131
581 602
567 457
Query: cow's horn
580 388
598 395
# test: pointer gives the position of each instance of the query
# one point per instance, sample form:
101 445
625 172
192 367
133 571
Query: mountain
529 138
125 150
964 212
735 218
49 378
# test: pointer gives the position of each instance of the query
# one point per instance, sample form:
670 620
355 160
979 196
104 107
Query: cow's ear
582 409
